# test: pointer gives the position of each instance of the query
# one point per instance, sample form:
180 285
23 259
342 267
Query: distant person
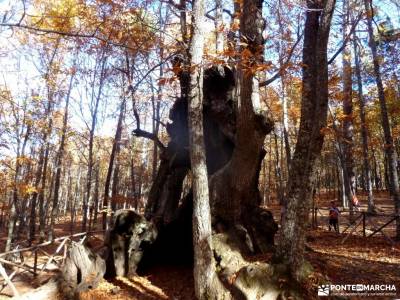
356 203
333 217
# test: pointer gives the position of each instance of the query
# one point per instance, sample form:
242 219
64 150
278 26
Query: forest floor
356 260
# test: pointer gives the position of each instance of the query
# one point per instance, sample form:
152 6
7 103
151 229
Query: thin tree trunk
42 216
59 161
205 279
390 151
95 210
218 23
377 175
347 142
364 133
67 201
133 181
14 201
156 121
314 107
91 142
32 217
341 177
114 153
278 174
114 187
50 193
46 138
75 197
156 104
283 90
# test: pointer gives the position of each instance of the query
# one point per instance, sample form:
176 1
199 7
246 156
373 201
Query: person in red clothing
333 217
356 203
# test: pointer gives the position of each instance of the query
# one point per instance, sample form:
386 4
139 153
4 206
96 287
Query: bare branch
347 38
148 135
24 13
227 11
284 65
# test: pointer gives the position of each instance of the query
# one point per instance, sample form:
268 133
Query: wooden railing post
35 263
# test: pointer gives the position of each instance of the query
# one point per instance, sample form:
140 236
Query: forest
197 149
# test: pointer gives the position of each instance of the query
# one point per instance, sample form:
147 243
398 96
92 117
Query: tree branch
227 11
347 38
148 135
284 65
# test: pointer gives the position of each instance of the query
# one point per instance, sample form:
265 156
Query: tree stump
126 242
83 270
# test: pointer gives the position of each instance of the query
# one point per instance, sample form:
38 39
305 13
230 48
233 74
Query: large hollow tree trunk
314 107
170 208
234 194
234 132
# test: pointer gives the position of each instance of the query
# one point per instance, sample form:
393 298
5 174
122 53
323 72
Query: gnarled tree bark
314 108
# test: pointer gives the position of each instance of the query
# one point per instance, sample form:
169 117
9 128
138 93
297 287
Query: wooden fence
359 219
25 260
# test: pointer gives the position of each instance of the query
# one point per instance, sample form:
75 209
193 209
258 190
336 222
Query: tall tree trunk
46 134
114 187
364 133
38 176
95 210
347 141
218 23
283 90
342 175
103 61
278 175
133 180
390 151
205 279
111 169
156 105
59 161
14 200
314 106
50 192
77 195
41 198
234 134
240 193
